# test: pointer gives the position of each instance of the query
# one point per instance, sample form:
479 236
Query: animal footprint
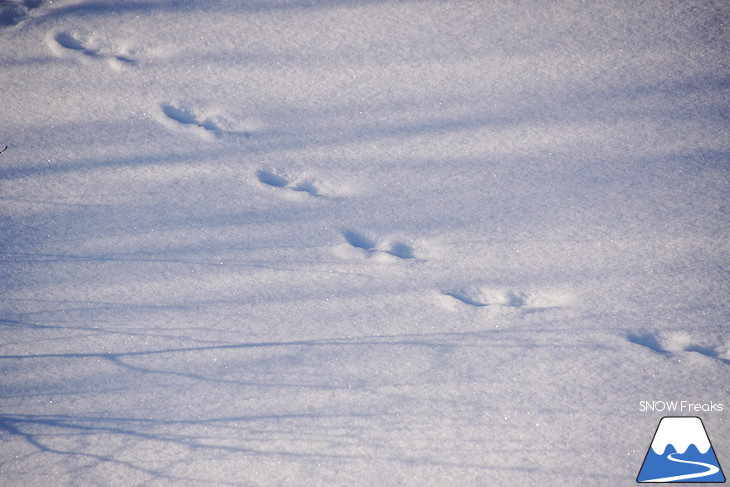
401 250
679 341
67 42
484 295
206 124
278 181
186 118
395 248
13 13
271 179
359 240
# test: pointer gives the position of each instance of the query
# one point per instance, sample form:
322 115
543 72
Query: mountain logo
680 452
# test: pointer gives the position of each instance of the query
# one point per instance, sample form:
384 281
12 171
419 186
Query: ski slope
342 242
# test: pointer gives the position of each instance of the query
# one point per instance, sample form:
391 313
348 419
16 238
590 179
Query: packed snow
377 242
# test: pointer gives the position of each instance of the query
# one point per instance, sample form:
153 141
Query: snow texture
339 242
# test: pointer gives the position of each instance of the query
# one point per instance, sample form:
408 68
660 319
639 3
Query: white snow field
367 243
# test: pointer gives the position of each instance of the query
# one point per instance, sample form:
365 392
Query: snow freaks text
680 407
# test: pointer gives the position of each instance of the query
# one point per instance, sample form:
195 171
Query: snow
358 243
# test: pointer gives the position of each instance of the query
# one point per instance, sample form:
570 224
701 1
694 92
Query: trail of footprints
358 244
476 296
210 125
65 44
174 116
354 239
213 126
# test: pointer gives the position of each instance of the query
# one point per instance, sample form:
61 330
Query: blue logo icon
681 452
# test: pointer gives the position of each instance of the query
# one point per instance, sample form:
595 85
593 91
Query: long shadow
93 8
26 427
115 356
561 109
79 436
40 431
434 340
13 425
9 172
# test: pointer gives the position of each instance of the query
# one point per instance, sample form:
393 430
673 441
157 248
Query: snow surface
369 242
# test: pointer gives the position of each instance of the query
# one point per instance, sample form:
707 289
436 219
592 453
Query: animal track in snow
480 297
359 240
679 341
272 179
278 180
402 250
69 42
186 118
207 124
13 13
387 247
483 296
63 42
